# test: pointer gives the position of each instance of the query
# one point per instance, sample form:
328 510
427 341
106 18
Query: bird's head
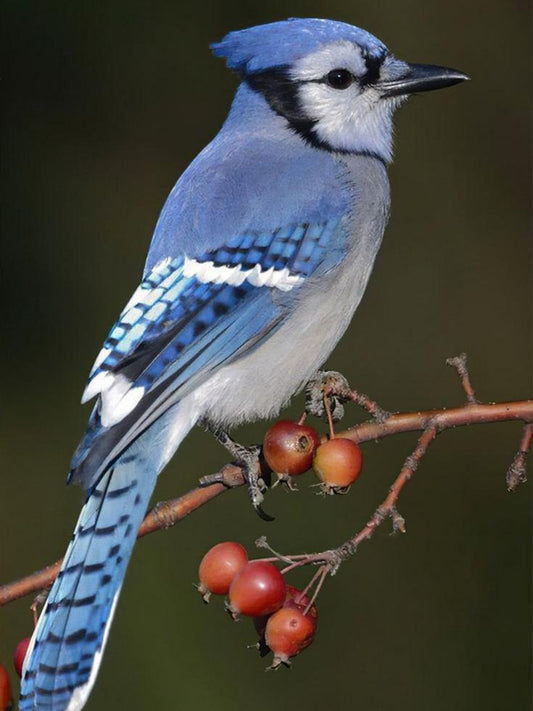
335 84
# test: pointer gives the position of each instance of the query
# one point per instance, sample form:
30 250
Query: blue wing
188 317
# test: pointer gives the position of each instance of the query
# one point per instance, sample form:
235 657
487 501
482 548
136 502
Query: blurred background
105 105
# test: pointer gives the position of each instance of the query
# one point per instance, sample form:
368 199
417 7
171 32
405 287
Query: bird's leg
247 458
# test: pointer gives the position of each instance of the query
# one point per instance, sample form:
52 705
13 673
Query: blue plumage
260 256
263 181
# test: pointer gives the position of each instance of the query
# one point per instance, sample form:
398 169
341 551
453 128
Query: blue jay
259 259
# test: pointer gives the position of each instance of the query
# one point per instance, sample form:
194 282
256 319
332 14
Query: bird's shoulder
248 182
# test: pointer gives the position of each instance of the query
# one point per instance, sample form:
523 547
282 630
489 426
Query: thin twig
371 406
459 363
388 506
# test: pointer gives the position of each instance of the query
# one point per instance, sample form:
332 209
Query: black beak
421 77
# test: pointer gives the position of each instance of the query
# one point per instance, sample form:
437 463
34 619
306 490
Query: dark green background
106 105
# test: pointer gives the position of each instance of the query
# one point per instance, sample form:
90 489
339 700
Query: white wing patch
118 398
207 272
99 383
118 394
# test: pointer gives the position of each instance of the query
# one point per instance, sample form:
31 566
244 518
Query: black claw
263 514
255 493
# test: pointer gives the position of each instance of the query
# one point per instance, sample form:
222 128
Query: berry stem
327 408
262 542
321 575
308 587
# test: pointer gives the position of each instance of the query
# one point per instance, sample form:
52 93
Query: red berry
258 589
287 633
5 689
288 447
219 566
294 600
20 654
338 463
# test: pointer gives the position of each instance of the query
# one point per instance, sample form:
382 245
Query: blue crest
281 43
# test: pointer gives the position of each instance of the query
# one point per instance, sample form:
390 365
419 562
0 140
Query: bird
259 258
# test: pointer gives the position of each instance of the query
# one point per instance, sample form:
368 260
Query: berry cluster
284 617
291 448
5 684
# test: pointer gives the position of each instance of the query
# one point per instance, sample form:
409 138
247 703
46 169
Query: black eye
340 78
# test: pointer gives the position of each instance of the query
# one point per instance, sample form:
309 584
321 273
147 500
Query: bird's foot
327 385
248 458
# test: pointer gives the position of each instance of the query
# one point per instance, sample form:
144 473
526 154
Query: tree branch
430 422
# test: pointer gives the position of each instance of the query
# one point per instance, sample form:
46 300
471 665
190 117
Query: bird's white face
337 90
341 97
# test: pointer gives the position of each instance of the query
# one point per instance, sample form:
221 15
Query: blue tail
69 640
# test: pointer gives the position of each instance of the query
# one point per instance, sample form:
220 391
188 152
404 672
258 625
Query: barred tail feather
69 640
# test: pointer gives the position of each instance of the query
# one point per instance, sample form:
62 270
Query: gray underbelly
260 383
